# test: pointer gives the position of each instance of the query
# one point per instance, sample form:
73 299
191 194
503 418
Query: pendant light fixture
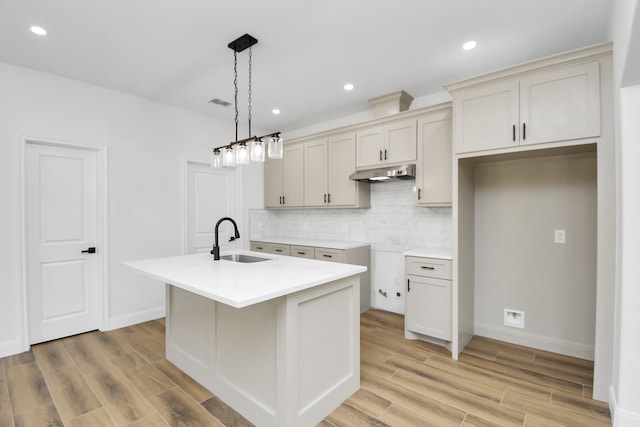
237 152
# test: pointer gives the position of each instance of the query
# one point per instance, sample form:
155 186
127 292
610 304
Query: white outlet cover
514 318
559 236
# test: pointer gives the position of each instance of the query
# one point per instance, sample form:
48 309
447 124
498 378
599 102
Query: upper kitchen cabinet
550 104
328 162
284 178
390 143
433 171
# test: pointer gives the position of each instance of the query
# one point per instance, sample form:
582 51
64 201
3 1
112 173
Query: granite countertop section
242 284
317 243
439 253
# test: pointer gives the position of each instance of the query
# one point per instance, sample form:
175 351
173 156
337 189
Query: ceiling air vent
219 101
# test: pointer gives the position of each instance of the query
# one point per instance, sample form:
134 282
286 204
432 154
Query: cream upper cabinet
390 143
284 179
328 163
433 169
293 175
550 106
273 183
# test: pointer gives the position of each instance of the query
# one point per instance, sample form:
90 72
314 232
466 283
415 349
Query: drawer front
429 267
278 249
335 255
303 252
261 247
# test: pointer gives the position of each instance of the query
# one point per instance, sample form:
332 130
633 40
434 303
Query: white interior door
211 195
63 282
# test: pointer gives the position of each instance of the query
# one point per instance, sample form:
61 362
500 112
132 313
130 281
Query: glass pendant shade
242 154
229 158
275 147
257 151
216 159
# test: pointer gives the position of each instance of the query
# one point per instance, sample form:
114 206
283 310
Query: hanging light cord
235 85
249 93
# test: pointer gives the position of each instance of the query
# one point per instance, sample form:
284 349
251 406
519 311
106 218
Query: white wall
391 226
146 142
625 390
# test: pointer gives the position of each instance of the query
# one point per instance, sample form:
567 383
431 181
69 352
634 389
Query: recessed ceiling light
275 111
469 45
38 30
348 87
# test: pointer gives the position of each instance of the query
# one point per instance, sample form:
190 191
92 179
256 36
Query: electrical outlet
559 236
514 318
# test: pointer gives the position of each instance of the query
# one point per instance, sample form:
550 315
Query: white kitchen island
277 340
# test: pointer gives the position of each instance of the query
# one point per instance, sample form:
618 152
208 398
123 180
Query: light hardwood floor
121 378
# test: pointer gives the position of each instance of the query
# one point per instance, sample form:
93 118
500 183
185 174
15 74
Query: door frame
102 232
239 217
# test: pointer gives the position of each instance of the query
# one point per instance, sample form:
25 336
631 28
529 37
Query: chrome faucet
216 249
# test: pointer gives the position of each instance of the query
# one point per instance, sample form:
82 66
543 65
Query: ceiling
175 51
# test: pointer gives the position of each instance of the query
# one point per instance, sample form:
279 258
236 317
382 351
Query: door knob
89 251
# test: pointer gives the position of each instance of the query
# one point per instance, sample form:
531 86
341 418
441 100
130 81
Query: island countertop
243 284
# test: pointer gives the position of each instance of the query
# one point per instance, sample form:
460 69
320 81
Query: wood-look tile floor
121 378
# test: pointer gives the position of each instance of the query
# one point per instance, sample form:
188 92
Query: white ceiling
175 51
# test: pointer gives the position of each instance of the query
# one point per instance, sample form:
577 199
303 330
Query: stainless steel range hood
385 174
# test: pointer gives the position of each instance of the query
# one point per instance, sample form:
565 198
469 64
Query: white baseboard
621 417
9 348
554 345
134 318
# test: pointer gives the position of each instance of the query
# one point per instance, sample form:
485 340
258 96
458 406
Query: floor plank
27 388
96 418
72 394
179 409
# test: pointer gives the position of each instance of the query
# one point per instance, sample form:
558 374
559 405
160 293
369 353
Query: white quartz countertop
243 284
317 243
439 253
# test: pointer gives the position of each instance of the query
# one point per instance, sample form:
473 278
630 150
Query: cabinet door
369 146
560 105
428 307
433 175
315 173
273 183
400 142
486 118
342 163
293 175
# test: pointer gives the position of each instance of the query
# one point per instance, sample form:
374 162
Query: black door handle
90 251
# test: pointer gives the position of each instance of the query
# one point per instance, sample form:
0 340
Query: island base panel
285 362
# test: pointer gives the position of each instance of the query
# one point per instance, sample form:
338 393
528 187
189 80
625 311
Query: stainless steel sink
243 258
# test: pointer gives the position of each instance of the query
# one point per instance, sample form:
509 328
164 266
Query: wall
392 225
625 387
146 143
518 205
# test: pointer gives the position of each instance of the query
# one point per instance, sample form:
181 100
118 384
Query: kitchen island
277 340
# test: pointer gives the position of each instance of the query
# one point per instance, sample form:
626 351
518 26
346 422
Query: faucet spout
216 249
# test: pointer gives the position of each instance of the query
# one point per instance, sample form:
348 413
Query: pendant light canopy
237 152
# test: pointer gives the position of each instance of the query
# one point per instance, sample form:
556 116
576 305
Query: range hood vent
385 174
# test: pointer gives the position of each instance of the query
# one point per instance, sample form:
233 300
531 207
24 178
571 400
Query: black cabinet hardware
524 131
424 267
89 251
514 132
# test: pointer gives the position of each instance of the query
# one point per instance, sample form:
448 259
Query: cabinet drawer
303 251
335 255
261 247
429 267
277 248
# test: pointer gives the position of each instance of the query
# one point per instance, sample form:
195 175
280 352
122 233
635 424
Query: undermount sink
243 258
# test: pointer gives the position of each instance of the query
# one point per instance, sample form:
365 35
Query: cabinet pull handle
259 247
325 198
424 267
514 133
302 253
380 155
283 200
418 194
408 285
328 197
385 154
327 256
524 131
278 250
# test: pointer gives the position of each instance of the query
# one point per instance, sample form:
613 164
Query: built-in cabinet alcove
522 207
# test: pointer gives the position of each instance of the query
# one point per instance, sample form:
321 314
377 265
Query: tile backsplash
392 224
